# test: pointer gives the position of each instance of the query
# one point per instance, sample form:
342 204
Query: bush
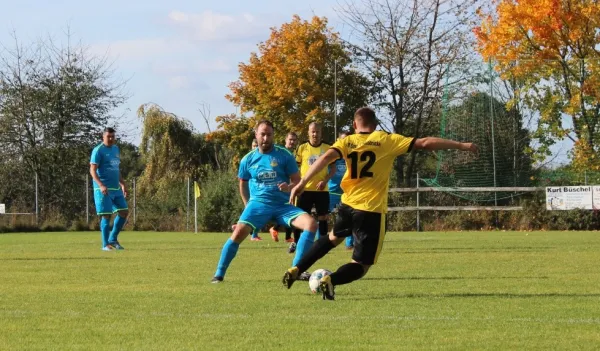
219 205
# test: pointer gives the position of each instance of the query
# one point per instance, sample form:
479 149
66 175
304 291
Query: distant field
469 290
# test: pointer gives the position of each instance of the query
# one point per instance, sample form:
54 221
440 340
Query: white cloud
179 82
211 26
212 66
141 48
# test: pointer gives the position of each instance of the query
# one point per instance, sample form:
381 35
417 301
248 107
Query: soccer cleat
108 247
258 238
117 246
289 240
216 280
327 288
290 276
304 276
292 248
274 234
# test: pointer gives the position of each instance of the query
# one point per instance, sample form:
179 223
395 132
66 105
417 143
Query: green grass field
472 290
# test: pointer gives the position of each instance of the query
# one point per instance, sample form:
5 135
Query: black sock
347 273
288 233
319 249
297 233
323 228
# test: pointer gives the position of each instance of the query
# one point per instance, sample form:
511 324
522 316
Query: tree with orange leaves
551 48
291 81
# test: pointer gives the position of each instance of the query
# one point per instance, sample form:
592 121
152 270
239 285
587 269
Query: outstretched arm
433 143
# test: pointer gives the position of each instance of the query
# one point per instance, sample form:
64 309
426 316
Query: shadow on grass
53 258
449 278
444 250
466 295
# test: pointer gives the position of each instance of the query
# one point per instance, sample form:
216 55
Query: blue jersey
334 182
265 171
108 160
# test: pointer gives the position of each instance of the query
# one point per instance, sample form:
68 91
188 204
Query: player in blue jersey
335 189
266 175
109 189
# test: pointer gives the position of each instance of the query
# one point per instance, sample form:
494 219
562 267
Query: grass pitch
469 290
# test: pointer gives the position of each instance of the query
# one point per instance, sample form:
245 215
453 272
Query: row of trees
416 62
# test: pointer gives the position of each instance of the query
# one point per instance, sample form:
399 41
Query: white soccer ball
315 277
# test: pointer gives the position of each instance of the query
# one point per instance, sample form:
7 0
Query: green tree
54 102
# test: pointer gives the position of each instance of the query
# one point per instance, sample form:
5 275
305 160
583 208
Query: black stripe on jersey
412 143
338 151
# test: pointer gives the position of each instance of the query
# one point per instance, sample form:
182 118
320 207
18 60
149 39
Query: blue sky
173 53
177 53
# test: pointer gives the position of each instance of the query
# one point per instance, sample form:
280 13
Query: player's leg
369 228
255 215
255 236
304 203
334 202
104 210
341 229
288 235
274 233
321 202
119 206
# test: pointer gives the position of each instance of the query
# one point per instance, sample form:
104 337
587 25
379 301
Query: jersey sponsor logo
266 176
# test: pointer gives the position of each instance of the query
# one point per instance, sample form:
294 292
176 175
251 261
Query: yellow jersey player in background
316 190
369 156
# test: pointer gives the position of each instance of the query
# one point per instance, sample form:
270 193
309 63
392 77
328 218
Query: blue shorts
257 214
111 203
334 201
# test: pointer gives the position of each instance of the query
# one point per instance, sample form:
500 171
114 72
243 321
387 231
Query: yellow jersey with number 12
369 162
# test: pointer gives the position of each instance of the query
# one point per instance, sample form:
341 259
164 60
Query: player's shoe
290 276
117 246
258 238
304 276
108 247
289 240
292 248
274 234
216 280
327 288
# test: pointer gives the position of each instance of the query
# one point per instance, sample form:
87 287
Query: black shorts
368 229
320 199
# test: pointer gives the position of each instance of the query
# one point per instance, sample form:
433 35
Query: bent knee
123 213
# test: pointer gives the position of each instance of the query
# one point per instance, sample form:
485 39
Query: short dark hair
265 121
292 134
367 116
108 130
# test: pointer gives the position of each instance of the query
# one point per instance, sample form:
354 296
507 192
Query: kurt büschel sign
572 197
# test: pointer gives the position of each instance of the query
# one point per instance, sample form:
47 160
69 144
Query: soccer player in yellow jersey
316 192
369 156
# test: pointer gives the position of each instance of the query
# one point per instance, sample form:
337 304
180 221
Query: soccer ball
314 280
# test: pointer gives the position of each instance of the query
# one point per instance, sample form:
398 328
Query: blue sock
306 241
255 233
105 230
349 241
117 226
227 254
